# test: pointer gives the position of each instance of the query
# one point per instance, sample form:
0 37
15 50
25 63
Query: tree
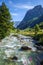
5 21
36 29
17 30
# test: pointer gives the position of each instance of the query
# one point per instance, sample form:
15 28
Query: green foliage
5 21
37 28
41 25
29 29
17 30
39 38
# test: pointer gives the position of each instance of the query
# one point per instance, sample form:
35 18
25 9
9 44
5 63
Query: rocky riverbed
19 50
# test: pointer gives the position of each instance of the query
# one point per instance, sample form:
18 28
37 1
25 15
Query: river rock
23 48
13 58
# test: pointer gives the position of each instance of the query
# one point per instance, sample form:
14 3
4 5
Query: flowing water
10 46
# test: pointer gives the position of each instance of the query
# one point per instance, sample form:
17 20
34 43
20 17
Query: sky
18 8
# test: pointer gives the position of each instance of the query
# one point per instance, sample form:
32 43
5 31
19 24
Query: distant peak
38 7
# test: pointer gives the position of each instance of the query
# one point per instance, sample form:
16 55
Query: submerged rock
13 58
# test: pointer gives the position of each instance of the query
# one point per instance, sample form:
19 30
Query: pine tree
37 28
5 21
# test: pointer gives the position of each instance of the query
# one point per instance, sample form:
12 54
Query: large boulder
23 48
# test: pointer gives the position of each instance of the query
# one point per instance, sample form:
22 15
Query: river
10 47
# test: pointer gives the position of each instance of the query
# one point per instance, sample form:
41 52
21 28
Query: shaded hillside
36 21
31 17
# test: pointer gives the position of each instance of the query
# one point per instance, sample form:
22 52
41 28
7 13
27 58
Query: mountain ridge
31 14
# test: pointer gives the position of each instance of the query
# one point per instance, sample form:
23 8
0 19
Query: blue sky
18 8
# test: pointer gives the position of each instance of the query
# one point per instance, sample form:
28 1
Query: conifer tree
5 21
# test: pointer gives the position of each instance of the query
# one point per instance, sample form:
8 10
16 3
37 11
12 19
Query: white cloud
21 6
14 14
25 6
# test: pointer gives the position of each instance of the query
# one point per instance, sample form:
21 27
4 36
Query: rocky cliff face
31 15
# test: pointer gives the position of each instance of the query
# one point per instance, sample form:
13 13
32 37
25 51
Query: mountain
16 23
36 21
31 18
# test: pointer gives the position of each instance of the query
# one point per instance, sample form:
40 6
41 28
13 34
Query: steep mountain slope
16 23
33 22
31 16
